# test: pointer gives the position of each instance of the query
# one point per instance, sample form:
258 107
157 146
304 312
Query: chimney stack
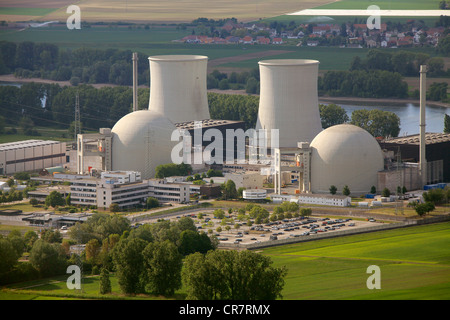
423 93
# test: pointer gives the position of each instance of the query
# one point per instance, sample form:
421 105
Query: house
263 40
247 40
277 41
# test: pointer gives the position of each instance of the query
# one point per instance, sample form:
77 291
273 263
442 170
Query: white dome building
345 155
142 141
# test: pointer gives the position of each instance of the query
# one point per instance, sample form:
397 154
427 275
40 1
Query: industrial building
127 189
437 153
31 155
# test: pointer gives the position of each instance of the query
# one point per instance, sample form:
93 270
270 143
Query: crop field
414 264
166 11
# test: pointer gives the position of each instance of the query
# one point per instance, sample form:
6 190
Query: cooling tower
288 100
178 87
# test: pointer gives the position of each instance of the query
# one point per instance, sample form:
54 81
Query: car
64 228
372 220
351 224
253 239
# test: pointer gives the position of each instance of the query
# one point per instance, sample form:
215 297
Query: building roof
205 123
430 138
25 144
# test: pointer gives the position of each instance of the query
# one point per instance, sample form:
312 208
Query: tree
34 202
332 114
333 189
67 200
386 192
163 264
114 207
105 282
152 203
54 199
423 208
377 122
8 256
92 251
373 190
229 190
305 212
128 260
48 258
446 123
346 191
232 275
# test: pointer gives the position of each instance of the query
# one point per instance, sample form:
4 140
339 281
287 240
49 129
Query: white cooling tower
178 87
288 100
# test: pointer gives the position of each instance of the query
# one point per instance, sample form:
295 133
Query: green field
383 4
25 11
160 41
414 264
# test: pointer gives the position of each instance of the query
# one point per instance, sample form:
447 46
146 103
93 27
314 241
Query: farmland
160 11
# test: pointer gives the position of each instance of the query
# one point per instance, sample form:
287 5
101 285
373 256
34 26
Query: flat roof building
31 155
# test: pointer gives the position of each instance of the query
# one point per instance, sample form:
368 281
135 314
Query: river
409 115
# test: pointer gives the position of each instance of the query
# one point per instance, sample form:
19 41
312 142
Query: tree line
50 105
153 258
404 62
82 65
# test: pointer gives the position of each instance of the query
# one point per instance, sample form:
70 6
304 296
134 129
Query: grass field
414 264
383 4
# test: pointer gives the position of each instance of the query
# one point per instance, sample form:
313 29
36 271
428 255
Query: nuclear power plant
300 150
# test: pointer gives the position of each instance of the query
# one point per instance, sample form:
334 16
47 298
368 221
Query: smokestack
423 93
178 87
289 100
135 81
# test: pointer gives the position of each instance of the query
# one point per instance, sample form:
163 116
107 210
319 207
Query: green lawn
414 264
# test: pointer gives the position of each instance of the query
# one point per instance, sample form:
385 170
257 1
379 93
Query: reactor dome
345 155
142 141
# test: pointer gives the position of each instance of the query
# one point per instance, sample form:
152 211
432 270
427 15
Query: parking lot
234 231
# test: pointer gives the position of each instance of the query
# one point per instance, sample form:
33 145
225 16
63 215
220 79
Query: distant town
355 35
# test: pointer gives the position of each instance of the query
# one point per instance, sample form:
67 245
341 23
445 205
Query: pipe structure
422 125
289 100
135 81
178 87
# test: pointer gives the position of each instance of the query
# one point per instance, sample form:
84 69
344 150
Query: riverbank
322 99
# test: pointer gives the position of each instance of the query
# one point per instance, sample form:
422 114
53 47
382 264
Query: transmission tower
77 116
